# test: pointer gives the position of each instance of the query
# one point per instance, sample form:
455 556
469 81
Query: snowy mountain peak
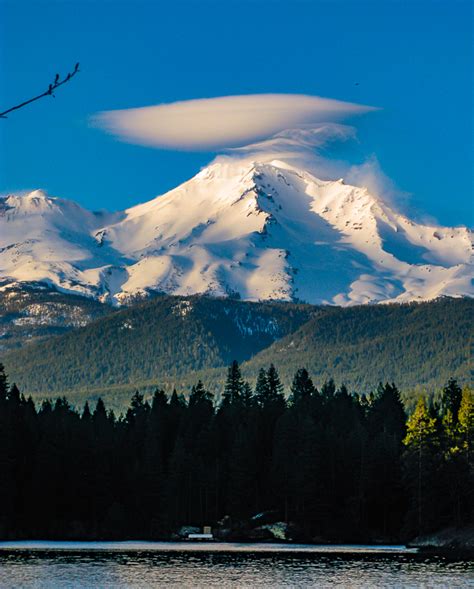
256 230
33 201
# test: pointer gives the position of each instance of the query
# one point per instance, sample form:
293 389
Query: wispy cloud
303 146
230 121
308 136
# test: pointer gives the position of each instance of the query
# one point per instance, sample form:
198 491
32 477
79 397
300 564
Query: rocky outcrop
450 539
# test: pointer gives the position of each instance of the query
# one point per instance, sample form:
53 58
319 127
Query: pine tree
451 399
138 410
275 388
283 456
14 395
247 396
242 498
261 387
86 413
328 390
386 424
199 396
466 426
159 402
270 398
100 413
269 392
421 427
387 414
3 384
421 465
154 464
233 387
302 388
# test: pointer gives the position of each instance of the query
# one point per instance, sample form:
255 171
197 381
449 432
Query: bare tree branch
49 92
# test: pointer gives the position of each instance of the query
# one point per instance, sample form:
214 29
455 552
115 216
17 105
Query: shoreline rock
452 540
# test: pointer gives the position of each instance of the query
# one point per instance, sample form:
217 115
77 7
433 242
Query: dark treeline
338 466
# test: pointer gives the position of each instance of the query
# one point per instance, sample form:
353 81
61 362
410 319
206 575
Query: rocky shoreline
262 528
448 540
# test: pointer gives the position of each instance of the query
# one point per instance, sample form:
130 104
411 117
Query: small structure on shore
206 534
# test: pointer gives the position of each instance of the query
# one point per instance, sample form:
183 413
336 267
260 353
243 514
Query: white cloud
309 136
229 121
370 175
307 147
302 146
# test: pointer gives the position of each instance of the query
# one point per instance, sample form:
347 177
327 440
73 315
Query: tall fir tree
422 460
233 387
451 399
302 388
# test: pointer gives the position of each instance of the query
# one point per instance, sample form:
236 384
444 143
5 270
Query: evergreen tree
283 456
466 455
233 387
86 413
386 423
3 384
199 395
302 388
466 426
138 410
386 412
100 413
328 390
261 387
275 388
421 468
269 393
451 399
247 396
159 402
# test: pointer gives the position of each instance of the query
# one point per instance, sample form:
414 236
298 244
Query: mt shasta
240 228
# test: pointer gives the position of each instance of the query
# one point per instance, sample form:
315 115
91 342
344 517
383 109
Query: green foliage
438 472
174 341
451 399
421 428
153 342
466 426
414 345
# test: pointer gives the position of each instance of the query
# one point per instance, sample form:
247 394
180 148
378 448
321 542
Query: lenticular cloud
229 121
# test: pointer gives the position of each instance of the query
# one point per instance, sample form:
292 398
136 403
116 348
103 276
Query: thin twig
49 91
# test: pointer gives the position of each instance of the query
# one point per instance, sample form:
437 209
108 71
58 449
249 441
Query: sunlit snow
242 228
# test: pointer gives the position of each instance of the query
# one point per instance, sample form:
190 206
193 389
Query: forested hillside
413 344
172 341
167 337
31 313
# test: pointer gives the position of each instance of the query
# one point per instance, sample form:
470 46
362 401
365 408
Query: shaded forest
333 466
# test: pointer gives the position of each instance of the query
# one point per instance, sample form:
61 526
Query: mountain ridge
173 341
239 228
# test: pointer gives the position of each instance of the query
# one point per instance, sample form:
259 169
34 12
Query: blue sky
413 59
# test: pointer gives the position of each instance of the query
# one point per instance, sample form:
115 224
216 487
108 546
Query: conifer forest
334 466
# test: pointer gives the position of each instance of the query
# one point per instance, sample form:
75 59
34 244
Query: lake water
71 565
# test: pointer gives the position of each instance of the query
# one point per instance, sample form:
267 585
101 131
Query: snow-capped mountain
238 228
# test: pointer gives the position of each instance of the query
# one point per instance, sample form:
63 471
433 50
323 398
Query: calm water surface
154 564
